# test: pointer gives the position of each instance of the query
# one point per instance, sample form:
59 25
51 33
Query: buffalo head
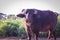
26 13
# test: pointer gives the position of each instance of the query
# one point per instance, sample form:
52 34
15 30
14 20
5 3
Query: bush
11 27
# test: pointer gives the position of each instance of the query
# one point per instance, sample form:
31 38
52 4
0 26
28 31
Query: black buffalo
39 21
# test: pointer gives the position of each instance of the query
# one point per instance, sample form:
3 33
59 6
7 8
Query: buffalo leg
49 34
29 36
52 33
36 36
54 36
28 33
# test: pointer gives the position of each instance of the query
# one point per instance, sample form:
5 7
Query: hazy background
12 26
15 6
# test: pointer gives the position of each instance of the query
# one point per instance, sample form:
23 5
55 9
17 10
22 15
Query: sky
15 6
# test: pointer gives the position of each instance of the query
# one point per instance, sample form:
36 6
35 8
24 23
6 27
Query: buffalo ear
21 15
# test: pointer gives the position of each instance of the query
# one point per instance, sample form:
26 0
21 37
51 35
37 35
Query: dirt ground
14 38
